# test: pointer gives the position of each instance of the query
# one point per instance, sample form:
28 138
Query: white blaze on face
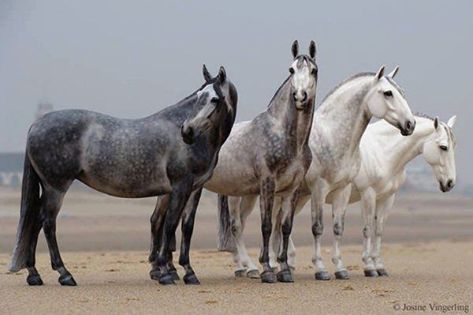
302 80
201 120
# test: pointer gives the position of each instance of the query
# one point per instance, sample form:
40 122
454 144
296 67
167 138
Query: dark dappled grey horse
171 152
269 156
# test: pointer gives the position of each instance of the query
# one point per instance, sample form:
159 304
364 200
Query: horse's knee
338 229
286 227
366 231
317 228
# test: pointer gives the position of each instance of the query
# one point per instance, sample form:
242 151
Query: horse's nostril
449 184
305 96
408 125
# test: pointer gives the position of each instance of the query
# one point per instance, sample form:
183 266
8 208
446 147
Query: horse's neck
401 149
296 124
344 115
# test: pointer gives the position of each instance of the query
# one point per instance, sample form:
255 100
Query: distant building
43 108
11 169
11 163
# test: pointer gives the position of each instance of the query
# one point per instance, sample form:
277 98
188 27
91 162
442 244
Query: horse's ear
312 49
380 73
222 75
295 49
436 122
394 72
206 74
451 121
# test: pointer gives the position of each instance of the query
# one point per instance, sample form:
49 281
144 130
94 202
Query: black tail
226 242
29 215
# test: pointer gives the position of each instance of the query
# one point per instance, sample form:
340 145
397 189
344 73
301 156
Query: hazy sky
133 58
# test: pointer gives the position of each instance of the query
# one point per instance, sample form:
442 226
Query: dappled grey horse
338 126
270 155
171 152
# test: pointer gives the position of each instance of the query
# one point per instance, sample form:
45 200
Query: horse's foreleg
382 210
291 250
319 192
187 227
368 204
339 207
177 201
287 216
266 205
276 235
51 204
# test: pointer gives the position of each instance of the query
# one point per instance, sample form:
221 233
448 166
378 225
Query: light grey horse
269 155
171 152
338 126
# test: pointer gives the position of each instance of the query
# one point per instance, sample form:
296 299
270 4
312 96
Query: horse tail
226 242
29 215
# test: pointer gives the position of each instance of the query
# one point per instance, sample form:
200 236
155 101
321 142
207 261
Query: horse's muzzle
408 128
447 186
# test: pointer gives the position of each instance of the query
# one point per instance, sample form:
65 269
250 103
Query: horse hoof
382 272
285 276
322 275
342 275
166 279
34 280
253 274
191 279
175 275
240 273
370 273
67 280
274 269
155 274
268 277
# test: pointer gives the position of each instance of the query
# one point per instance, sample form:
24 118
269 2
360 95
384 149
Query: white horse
384 157
338 126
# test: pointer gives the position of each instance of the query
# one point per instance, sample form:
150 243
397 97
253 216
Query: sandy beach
428 252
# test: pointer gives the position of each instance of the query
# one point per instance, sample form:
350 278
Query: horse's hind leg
187 227
33 276
51 204
339 206
382 209
246 206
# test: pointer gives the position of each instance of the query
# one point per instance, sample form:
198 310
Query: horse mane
419 114
277 91
353 77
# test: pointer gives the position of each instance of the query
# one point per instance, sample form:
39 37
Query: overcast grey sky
133 58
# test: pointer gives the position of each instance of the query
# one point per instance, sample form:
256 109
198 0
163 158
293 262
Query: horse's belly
123 184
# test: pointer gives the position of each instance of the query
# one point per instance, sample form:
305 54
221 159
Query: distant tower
43 108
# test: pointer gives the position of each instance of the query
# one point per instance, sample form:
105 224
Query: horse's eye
291 70
214 100
314 71
388 93
443 148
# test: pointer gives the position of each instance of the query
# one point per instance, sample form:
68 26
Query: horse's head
303 77
216 101
386 101
439 152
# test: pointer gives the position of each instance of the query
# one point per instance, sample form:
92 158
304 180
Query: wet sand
104 241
